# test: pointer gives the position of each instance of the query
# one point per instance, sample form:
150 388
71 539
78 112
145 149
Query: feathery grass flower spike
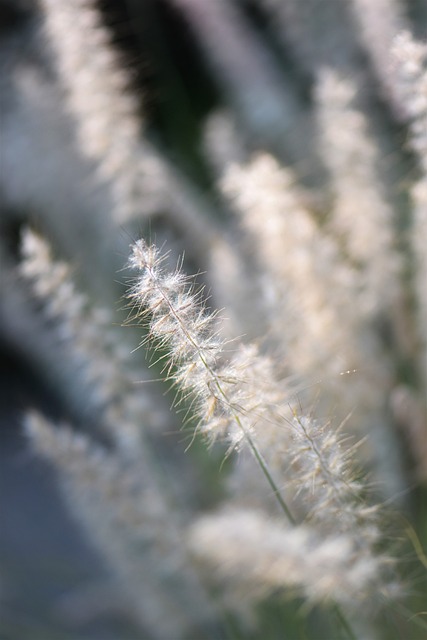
230 401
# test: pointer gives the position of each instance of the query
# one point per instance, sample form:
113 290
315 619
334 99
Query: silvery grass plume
378 23
235 396
255 555
408 65
127 516
361 218
108 122
86 350
408 62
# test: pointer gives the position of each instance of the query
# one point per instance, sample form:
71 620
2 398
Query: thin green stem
259 458
344 622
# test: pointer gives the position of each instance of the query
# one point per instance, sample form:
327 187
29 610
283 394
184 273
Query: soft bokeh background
210 87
